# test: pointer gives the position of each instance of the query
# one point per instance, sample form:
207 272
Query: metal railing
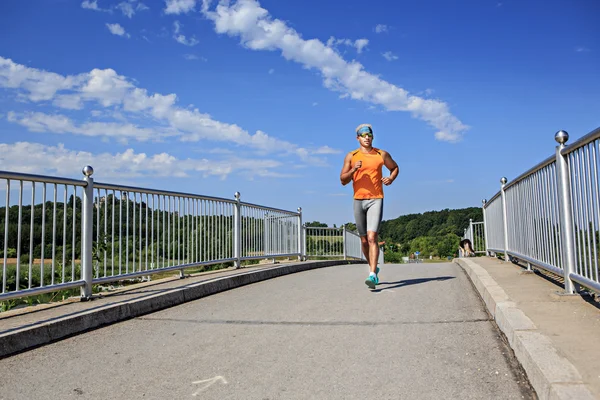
334 242
80 233
549 216
476 234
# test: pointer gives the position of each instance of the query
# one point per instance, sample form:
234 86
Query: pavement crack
314 323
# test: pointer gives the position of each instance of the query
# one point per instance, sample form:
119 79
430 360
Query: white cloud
315 104
93 5
179 6
117 29
34 157
180 38
257 30
581 49
271 71
358 44
388 55
381 28
126 8
57 123
327 150
116 93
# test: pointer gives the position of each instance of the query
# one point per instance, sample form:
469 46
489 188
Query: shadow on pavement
408 282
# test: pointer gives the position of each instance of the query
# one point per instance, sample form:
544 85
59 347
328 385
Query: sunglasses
365 135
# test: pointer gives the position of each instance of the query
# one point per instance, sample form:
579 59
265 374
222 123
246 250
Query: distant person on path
364 168
467 248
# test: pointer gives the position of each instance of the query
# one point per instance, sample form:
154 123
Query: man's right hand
357 165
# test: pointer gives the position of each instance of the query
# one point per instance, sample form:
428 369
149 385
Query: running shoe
371 281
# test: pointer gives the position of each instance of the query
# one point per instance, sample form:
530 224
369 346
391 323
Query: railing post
86 233
485 232
344 241
504 218
471 237
300 240
237 231
566 218
304 241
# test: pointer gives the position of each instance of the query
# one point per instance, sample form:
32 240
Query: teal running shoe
372 281
377 273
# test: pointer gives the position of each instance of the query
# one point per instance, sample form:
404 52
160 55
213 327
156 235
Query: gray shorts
368 214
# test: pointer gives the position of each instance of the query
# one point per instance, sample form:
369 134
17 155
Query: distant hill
432 223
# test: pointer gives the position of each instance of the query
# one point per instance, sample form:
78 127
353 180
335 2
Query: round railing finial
503 180
299 209
87 170
561 137
484 201
237 195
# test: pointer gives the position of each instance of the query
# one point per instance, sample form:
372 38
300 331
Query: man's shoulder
379 151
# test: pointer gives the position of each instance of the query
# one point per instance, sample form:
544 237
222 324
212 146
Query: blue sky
263 98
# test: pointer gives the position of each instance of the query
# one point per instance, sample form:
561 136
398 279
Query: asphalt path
321 334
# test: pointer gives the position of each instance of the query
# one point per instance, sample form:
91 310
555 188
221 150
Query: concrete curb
552 376
28 337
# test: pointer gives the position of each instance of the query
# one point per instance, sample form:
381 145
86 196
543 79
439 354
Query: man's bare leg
373 250
365 248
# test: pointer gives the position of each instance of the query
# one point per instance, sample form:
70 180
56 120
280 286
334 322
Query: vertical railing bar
43 241
74 233
597 209
583 261
134 229
551 215
169 234
544 178
6 212
20 223
112 235
540 194
105 238
164 227
120 230
64 247
531 218
127 232
559 238
537 213
146 249
587 204
31 234
574 207
178 230
53 265
152 235
97 227
552 212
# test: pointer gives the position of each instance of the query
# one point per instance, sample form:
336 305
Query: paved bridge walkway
317 334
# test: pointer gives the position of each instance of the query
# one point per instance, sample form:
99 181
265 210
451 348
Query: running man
364 168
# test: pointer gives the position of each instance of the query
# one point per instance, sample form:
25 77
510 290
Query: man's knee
364 240
372 237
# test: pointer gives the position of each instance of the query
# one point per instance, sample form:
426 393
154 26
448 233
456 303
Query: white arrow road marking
208 383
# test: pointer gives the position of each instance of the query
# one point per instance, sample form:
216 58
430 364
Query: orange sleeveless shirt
367 180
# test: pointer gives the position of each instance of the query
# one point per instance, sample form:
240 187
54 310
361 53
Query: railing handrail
590 137
40 178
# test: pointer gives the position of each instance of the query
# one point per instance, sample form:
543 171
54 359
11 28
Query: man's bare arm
390 164
348 170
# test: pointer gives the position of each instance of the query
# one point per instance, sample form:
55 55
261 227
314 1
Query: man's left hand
387 181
